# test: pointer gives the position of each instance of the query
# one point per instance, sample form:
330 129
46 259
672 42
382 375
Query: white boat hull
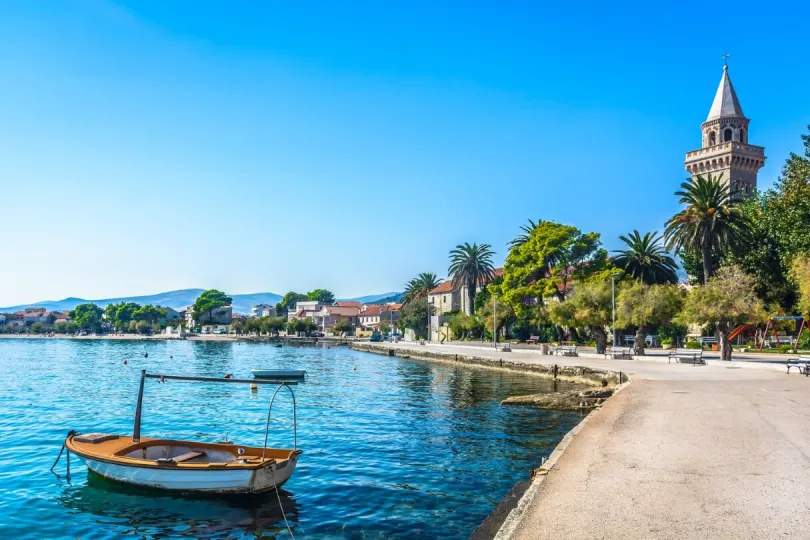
210 481
279 373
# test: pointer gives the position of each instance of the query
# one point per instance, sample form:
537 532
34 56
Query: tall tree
710 221
645 259
642 305
210 300
414 315
470 266
288 302
523 237
590 306
149 313
547 264
420 286
726 300
321 295
87 316
801 274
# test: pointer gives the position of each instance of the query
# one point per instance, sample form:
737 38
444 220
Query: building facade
725 151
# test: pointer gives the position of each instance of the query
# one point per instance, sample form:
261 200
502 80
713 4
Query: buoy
125 362
254 387
146 355
170 357
228 375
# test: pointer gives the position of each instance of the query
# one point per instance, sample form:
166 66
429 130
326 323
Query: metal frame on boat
188 466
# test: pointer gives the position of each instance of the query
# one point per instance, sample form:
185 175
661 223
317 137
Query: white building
263 310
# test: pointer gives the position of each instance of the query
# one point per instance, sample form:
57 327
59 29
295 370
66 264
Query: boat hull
206 481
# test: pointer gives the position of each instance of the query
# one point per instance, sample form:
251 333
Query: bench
710 340
694 356
533 339
802 364
620 352
564 350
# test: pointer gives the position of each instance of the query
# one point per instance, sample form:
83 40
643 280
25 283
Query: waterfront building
725 151
263 310
374 316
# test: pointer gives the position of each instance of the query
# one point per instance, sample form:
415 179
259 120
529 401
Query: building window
727 135
742 136
712 140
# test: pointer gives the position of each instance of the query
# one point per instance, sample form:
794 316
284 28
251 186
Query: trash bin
544 348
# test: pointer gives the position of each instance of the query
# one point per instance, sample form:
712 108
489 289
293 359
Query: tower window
712 140
742 136
727 135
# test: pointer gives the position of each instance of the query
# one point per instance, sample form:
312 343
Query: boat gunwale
116 459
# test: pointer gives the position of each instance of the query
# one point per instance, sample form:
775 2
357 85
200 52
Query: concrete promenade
717 451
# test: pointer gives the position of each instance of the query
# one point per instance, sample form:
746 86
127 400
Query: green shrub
693 344
666 341
784 349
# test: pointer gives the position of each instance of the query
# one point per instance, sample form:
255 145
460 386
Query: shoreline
195 337
501 522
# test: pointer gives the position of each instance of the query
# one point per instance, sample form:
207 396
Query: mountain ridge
178 299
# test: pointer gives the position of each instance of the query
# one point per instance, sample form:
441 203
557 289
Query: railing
725 147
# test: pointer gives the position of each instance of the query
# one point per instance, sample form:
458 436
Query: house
449 299
374 316
329 315
171 315
222 315
348 303
306 309
263 310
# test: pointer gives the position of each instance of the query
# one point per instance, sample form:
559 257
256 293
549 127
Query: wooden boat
187 466
280 374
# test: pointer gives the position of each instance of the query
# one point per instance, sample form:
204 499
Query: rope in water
64 446
287 523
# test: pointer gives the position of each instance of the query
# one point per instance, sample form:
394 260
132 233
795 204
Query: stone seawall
580 374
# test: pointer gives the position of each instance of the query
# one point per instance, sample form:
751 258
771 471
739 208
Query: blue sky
148 145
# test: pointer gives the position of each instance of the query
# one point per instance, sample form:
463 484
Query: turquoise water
392 448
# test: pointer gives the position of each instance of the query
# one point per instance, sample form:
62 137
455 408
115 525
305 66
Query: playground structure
797 319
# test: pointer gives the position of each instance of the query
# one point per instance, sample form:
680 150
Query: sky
148 145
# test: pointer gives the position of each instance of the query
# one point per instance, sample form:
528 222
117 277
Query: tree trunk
722 340
601 339
707 263
640 342
471 298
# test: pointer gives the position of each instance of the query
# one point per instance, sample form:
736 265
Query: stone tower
725 149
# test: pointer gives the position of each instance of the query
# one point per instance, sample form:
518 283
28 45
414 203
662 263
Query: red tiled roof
349 303
447 286
350 311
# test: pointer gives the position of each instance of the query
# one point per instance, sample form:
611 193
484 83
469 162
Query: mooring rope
287 523
64 447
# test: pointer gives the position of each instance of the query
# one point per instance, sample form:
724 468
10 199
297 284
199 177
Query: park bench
774 342
620 352
709 340
694 356
533 339
564 350
802 364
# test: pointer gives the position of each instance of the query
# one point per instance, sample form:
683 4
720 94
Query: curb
514 517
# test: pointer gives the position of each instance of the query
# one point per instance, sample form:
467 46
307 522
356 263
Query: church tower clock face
725 153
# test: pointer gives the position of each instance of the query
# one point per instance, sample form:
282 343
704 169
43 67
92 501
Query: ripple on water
393 448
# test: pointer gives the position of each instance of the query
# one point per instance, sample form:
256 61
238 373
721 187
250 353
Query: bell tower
725 150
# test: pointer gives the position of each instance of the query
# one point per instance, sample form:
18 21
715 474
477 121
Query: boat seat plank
182 457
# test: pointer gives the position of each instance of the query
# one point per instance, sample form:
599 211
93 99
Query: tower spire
725 102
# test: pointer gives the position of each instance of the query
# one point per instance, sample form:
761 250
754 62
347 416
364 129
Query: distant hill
378 298
242 303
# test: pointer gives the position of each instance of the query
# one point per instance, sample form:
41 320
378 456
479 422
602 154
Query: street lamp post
613 294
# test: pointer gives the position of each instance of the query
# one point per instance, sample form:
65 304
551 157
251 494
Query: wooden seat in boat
182 457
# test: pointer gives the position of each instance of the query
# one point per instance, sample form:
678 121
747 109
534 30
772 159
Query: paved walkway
682 452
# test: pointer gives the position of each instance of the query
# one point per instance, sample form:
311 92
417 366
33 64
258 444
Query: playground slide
734 333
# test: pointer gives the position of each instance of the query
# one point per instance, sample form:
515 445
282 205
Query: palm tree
469 266
522 238
646 259
710 221
420 286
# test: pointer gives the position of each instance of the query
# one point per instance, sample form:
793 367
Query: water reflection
156 514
